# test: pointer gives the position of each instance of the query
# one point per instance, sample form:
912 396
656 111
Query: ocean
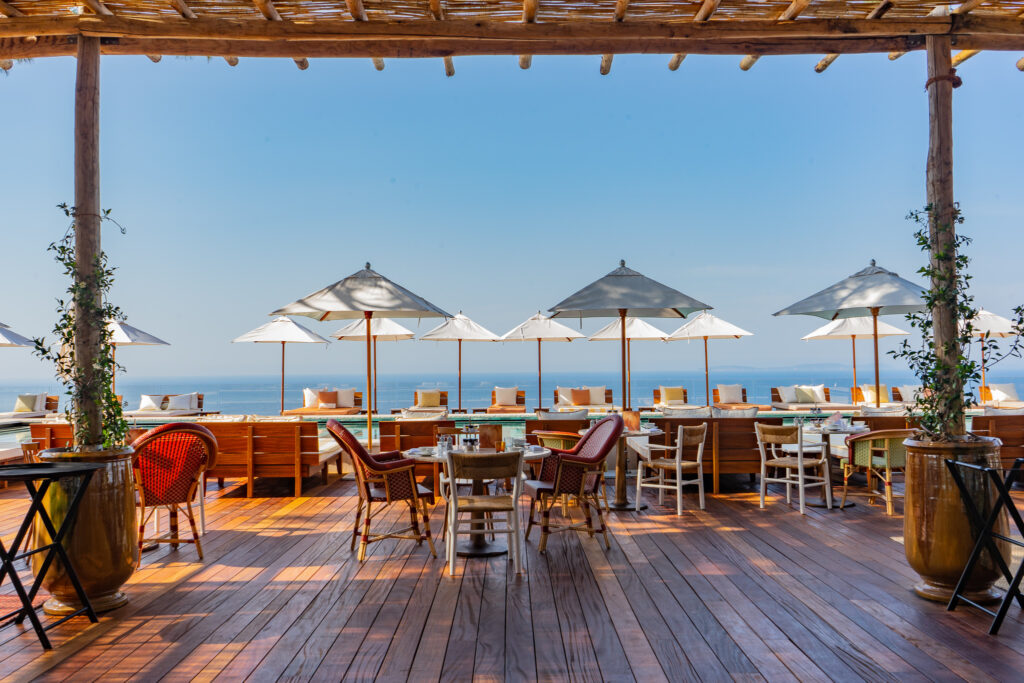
259 394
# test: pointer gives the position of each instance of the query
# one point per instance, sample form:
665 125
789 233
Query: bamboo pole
376 408
853 339
369 386
874 334
707 378
460 373
282 378
540 392
629 368
941 223
622 337
87 339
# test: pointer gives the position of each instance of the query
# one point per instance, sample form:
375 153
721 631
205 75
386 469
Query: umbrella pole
874 325
376 407
540 393
629 369
622 336
983 362
282 378
707 380
853 338
369 385
460 374
113 369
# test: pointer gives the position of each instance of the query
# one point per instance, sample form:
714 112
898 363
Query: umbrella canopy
635 329
362 292
706 326
381 329
851 328
540 328
123 334
282 330
873 291
365 294
625 292
460 329
12 339
986 324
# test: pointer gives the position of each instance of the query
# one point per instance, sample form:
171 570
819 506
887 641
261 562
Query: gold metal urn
103 543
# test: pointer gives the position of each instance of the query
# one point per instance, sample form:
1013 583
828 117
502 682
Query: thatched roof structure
381 29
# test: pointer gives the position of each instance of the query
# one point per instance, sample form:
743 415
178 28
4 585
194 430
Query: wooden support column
943 212
87 218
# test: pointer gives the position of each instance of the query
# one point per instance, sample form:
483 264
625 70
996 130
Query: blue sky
497 192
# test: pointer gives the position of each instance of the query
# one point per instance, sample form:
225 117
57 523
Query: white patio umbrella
540 328
625 292
635 329
987 324
381 329
460 329
706 326
10 338
365 294
123 334
281 330
851 328
873 291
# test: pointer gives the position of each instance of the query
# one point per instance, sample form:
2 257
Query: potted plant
937 534
103 544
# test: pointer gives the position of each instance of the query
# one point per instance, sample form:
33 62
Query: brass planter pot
937 533
103 544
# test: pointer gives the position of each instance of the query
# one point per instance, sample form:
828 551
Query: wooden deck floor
733 592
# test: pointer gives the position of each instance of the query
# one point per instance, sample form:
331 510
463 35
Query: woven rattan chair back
777 434
692 435
486 465
169 460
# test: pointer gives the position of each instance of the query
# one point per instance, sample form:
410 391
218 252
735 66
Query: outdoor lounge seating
577 473
29 406
507 408
823 400
878 454
568 399
167 405
1002 395
251 449
670 397
783 448
168 463
314 407
427 402
385 478
1007 428
865 393
656 461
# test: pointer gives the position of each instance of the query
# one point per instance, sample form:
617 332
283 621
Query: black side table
984 529
45 474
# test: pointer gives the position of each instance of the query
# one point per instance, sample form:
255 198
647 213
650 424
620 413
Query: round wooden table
476 545
826 443
621 501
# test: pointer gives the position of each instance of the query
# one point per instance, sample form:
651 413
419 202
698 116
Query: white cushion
596 395
221 418
273 418
739 412
40 402
787 394
310 398
1003 392
909 392
993 410
891 410
425 414
730 393
346 398
819 391
182 402
564 395
194 400
568 415
26 403
505 396
675 403
151 401
693 411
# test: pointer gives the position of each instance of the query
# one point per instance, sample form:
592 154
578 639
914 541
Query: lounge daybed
276 448
429 403
1000 395
167 405
821 394
670 397
504 401
32 406
733 396
342 402
594 399
865 393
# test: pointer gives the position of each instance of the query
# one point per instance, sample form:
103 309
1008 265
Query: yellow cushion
428 399
671 394
26 403
805 395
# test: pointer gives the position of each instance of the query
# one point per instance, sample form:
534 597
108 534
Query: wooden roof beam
9 10
437 11
788 14
940 11
183 9
620 13
529 17
704 13
358 12
877 13
270 13
98 7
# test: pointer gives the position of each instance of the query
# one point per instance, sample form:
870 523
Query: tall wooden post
87 224
622 339
941 225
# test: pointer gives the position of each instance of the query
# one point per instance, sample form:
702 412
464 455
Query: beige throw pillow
505 396
805 395
428 399
730 393
346 398
596 395
25 403
310 398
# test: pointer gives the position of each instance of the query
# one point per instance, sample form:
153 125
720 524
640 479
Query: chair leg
889 508
426 528
195 532
355 528
604 527
661 486
517 550
452 522
639 480
365 540
414 523
529 519
846 482
764 485
827 477
679 492
172 523
585 506
545 523
801 479
142 535
700 485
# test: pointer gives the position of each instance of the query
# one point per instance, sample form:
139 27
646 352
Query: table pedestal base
624 507
480 547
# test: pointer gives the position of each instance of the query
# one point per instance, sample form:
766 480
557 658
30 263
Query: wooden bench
270 449
1007 428
56 435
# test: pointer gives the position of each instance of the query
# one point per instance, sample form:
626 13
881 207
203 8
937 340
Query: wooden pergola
445 29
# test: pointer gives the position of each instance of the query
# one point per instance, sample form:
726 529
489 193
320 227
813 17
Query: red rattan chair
169 462
577 473
384 478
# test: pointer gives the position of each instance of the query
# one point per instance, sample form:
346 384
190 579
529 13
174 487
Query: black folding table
38 478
